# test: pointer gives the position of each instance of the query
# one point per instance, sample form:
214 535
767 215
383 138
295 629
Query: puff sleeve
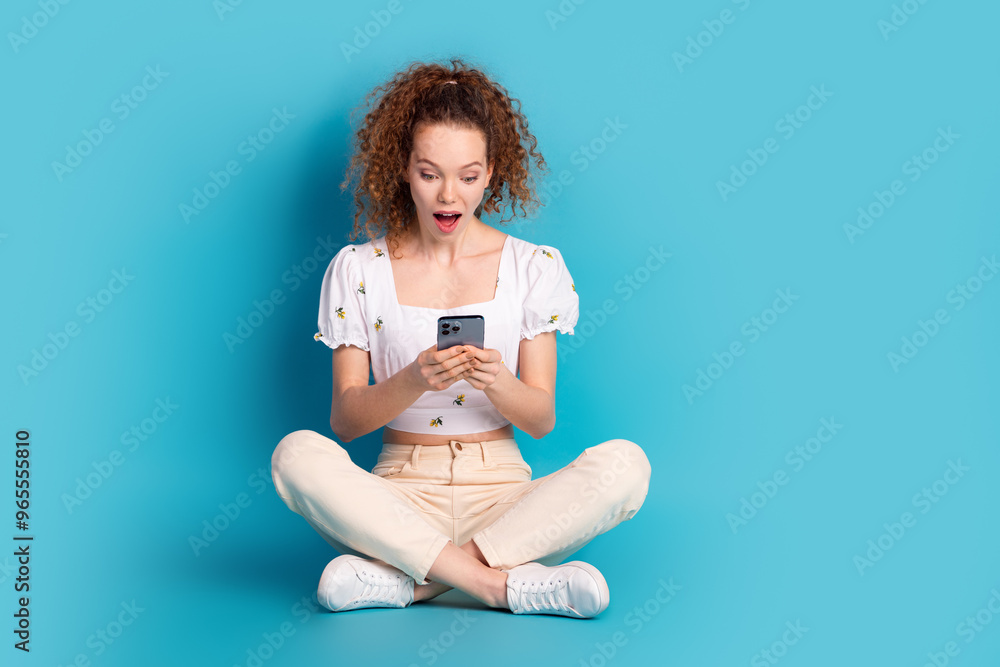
551 302
342 319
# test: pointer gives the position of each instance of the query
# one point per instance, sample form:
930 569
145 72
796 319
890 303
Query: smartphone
461 330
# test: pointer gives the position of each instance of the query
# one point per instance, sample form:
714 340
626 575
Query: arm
359 408
528 402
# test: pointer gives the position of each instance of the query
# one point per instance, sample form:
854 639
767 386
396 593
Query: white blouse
358 306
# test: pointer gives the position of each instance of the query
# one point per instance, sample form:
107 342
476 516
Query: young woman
450 502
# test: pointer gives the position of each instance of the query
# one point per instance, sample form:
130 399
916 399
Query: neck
423 243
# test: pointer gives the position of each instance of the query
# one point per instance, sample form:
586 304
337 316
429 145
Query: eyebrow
471 164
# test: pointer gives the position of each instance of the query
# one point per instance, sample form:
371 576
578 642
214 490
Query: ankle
420 592
428 591
498 594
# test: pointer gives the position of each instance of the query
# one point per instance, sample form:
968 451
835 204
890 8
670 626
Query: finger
458 360
437 355
447 353
445 380
454 367
487 355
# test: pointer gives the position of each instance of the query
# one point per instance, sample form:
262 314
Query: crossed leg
464 568
549 517
602 487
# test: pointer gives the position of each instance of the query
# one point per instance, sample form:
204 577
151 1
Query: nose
447 194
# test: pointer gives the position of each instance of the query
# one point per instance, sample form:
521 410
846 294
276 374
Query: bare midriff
407 438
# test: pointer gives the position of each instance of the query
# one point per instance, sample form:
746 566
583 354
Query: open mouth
447 219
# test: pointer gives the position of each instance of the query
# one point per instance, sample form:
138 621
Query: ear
489 174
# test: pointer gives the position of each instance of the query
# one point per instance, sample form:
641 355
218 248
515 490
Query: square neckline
500 270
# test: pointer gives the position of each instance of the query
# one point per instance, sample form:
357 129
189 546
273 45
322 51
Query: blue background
687 124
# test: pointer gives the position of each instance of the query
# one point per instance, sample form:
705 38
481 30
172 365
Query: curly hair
418 94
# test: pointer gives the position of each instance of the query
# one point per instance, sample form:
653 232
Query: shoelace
540 596
378 588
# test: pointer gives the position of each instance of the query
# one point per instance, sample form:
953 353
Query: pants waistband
486 450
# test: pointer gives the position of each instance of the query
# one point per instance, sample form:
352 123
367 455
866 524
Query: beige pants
418 498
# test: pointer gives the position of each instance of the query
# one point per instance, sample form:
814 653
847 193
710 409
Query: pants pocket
514 468
390 469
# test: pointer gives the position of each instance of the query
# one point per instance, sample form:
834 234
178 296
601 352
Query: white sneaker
574 589
349 582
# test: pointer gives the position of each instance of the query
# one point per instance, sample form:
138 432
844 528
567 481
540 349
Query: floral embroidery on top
378 252
573 286
459 400
317 336
361 287
378 324
353 249
436 421
552 320
340 312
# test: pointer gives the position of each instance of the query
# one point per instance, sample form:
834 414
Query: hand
434 370
485 366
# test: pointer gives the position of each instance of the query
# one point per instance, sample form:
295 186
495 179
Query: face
447 173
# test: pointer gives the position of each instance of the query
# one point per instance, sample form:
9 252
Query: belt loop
415 456
487 461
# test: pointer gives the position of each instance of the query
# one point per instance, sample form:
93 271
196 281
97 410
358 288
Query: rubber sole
605 597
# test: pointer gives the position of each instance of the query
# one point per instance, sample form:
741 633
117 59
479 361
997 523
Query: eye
425 174
470 179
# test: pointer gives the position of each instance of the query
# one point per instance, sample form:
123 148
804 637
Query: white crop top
358 306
